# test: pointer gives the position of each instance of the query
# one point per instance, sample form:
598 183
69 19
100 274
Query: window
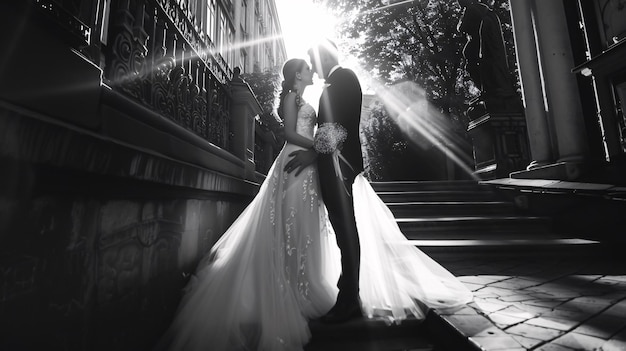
222 34
244 16
243 57
210 20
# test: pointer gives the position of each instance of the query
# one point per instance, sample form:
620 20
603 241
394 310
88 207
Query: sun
304 23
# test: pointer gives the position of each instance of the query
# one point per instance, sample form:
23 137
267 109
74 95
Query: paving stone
598 300
586 277
484 294
461 310
503 320
527 342
579 306
602 326
573 316
553 347
578 341
553 323
492 331
515 311
482 279
499 342
556 291
489 307
577 280
536 310
608 283
614 345
535 332
473 287
617 278
469 325
498 291
545 296
615 296
542 303
621 335
514 284
617 310
517 297
494 301
465 310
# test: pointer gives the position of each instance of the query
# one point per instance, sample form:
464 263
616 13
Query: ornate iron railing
156 56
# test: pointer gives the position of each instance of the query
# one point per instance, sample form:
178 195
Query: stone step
441 250
432 208
473 225
508 244
430 185
436 195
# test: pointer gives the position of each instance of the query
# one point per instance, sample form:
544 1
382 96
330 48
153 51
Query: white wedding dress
276 268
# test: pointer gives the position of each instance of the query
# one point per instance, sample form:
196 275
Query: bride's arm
290 115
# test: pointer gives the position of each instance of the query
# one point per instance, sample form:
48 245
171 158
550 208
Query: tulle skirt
263 280
277 267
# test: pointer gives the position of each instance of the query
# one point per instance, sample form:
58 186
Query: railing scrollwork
157 57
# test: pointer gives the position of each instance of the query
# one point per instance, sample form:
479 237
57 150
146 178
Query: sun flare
304 23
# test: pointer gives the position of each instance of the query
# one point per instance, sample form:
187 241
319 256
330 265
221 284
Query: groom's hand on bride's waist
300 160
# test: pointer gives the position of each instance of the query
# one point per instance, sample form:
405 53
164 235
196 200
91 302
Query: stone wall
97 238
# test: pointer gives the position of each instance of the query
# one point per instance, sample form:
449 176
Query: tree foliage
382 154
415 41
409 40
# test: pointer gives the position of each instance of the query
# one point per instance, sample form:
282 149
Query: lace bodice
305 125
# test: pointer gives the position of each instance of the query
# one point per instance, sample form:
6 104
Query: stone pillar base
560 171
500 144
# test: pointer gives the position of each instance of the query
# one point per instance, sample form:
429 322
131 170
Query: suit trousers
340 208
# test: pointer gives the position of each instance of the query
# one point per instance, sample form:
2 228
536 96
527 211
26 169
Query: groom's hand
300 160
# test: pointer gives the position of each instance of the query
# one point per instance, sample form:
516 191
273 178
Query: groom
340 102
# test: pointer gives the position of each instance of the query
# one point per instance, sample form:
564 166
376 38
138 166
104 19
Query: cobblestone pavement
554 302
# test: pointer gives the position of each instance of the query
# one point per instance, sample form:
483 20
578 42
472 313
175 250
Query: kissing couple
315 243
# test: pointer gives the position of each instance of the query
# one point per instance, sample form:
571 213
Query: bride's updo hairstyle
290 68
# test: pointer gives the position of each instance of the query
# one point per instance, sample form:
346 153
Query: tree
409 40
386 146
415 41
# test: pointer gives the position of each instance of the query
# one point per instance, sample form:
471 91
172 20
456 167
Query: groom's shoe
342 313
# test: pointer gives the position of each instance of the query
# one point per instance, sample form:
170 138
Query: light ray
203 55
421 123
361 13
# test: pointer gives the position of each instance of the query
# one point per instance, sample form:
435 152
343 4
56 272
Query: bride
276 267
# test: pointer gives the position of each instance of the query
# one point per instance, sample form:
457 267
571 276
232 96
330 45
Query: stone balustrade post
244 108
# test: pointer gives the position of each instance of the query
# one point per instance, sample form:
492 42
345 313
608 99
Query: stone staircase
449 219
469 217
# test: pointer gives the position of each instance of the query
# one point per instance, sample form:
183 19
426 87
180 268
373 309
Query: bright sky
304 23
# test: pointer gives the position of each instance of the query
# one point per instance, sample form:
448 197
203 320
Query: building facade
245 32
572 64
126 150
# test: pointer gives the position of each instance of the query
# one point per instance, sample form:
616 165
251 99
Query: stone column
243 109
532 89
561 89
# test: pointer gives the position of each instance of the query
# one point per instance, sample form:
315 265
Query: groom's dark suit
340 102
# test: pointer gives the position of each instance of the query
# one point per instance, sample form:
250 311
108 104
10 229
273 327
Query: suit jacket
340 102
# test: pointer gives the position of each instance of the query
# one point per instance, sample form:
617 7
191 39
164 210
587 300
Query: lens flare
422 124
